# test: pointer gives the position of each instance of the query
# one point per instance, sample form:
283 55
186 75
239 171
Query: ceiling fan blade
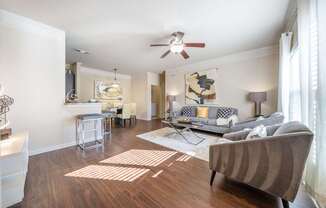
165 54
184 54
159 45
197 45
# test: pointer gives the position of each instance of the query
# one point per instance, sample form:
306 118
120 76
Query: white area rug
176 142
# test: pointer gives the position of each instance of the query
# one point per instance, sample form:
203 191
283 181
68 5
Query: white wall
237 74
141 93
32 70
152 79
87 77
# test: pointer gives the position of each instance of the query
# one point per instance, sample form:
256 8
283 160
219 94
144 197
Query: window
295 89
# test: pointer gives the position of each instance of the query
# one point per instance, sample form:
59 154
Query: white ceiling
117 33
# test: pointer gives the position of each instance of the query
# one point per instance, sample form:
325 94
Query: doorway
155 101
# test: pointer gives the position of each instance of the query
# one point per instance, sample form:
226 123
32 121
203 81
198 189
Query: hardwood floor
171 183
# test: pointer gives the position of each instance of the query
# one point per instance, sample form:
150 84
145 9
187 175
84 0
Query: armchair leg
212 177
285 203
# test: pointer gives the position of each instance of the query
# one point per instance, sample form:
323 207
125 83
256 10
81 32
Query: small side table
5 133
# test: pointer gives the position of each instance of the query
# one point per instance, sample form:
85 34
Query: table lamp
171 99
257 98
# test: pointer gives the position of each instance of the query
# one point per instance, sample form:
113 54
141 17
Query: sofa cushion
291 127
199 120
212 112
211 122
202 112
189 111
215 129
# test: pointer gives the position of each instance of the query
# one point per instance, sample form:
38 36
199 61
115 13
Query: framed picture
104 91
200 86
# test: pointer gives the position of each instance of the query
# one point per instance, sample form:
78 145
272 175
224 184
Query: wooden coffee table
181 128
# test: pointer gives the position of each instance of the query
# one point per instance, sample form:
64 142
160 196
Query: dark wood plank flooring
179 184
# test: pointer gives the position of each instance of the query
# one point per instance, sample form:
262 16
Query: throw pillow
189 111
202 112
257 132
223 112
222 122
233 120
291 127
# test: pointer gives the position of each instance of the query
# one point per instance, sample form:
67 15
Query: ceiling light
113 89
176 48
115 83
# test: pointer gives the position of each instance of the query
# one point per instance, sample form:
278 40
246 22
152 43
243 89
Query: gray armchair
273 164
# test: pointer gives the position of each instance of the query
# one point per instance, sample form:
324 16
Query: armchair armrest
272 164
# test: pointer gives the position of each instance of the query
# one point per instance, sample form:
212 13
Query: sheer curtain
284 74
309 105
302 86
316 167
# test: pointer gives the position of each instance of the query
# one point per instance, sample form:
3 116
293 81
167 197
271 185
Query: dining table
111 114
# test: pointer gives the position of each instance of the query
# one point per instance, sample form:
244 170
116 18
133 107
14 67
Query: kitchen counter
72 110
82 104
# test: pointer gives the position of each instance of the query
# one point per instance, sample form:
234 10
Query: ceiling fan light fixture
177 48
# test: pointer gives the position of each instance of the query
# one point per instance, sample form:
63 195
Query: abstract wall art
104 91
200 86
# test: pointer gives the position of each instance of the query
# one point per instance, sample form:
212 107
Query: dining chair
125 115
133 116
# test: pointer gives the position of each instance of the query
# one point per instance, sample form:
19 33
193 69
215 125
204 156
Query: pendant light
115 84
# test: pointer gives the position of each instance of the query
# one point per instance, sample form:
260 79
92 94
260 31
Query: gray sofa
273 119
273 164
209 124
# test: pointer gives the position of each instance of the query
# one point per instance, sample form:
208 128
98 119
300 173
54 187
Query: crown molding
232 58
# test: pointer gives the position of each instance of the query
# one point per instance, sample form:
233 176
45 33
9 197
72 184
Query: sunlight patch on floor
157 174
109 173
184 158
140 157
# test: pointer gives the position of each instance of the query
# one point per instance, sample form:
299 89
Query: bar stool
84 127
107 124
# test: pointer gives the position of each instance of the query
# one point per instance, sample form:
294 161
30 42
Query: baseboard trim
55 147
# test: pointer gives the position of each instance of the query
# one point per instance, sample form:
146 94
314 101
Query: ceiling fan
177 45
